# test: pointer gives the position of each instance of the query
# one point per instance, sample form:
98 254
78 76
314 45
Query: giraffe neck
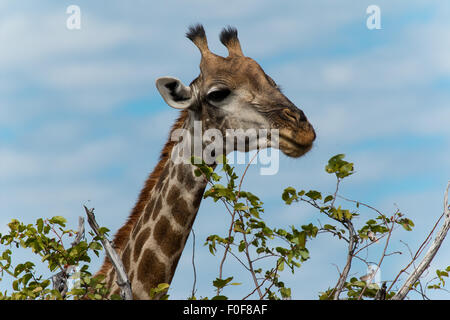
159 236
153 240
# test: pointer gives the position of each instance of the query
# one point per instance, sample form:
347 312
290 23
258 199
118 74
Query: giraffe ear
174 92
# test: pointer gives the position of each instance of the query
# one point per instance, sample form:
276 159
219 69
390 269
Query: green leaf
15 285
280 264
314 195
58 220
40 225
198 172
285 292
304 254
162 286
220 283
339 167
289 195
240 206
95 246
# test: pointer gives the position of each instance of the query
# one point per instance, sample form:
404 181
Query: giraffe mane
123 234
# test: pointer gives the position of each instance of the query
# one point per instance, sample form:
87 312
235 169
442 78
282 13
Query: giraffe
231 92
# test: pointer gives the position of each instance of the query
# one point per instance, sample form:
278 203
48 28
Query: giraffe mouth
293 149
296 144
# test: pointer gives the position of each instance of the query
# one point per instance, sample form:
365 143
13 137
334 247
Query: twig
236 257
361 203
414 265
381 259
346 270
418 252
227 246
193 263
122 278
245 171
335 192
425 263
250 263
275 274
370 243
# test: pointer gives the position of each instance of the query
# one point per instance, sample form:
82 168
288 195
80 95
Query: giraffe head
234 92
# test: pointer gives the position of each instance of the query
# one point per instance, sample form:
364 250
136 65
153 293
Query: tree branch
193 264
346 270
425 263
122 278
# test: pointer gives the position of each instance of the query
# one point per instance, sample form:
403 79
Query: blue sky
81 121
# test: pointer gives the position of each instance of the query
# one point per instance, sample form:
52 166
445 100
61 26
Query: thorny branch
122 278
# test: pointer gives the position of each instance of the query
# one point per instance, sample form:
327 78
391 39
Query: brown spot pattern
164 189
137 227
198 197
168 239
172 196
151 271
143 236
180 212
157 208
149 210
126 258
180 175
189 179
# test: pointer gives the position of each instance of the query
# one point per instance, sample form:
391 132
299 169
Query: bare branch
122 278
346 270
193 263
80 232
425 263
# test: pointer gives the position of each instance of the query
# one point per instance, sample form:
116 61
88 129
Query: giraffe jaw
296 143
293 149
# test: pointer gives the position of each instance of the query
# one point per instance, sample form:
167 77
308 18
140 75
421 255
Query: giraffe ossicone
232 97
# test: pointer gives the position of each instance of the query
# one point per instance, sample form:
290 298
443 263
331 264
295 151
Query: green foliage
45 238
341 222
441 275
251 238
160 292
339 167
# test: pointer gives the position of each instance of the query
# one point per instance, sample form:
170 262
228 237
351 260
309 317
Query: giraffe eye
218 95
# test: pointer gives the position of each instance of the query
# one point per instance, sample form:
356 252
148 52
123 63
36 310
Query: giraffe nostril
294 116
290 115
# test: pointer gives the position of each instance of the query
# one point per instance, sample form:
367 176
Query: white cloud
37 38
15 164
